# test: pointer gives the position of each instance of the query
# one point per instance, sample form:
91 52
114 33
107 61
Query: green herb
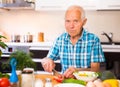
4 75
2 44
23 60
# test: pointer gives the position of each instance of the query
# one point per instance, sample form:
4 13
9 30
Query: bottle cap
48 80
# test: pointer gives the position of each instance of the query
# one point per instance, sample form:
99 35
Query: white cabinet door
50 4
86 4
64 4
109 5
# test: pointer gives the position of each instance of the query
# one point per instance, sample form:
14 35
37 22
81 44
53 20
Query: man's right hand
48 64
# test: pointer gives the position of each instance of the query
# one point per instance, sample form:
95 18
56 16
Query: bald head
78 9
74 21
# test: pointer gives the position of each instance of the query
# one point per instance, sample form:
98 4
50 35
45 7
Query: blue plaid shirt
88 49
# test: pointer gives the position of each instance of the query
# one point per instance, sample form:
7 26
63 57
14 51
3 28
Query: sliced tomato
58 78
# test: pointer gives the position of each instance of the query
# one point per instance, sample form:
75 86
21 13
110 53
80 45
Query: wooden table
44 76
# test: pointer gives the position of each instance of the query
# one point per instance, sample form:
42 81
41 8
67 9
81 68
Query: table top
44 76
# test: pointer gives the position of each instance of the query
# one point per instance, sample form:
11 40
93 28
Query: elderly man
77 48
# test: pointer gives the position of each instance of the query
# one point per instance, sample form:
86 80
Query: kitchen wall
52 23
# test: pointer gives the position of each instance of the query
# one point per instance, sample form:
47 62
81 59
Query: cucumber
71 80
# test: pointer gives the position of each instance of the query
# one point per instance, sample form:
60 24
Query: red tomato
58 79
4 82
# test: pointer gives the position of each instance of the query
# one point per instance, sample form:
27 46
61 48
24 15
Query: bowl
86 75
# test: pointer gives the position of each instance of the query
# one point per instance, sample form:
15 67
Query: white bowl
85 75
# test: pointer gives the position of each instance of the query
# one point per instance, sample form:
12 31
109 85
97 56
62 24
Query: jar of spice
41 37
48 82
38 83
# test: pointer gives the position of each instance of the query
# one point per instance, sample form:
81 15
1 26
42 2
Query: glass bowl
86 75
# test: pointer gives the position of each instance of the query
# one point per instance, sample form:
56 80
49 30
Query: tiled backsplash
52 23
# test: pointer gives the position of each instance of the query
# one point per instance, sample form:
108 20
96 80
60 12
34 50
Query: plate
68 85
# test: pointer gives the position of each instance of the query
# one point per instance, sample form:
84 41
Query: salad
86 75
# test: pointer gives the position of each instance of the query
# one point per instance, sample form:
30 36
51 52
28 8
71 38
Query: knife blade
56 73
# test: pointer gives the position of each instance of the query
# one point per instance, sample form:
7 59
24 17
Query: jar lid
27 72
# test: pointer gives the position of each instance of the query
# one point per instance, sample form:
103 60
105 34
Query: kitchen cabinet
86 4
16 3
112 57
113 62
47 5
51 5
109 5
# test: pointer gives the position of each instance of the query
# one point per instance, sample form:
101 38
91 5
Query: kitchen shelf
33 44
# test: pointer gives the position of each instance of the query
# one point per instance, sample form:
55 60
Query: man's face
73 23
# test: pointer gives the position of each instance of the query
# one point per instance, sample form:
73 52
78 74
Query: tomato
4 82
58 79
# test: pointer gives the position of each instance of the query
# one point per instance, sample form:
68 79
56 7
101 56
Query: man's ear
84 21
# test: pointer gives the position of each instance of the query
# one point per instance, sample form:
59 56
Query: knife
56 73
58 77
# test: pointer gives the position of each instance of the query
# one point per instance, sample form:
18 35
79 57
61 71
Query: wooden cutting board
44 76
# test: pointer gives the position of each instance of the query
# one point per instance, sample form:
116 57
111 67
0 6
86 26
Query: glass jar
41 37
27 79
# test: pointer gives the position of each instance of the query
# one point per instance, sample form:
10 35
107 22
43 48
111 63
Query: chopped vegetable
71 80
87 74
58 79
112 82
4 82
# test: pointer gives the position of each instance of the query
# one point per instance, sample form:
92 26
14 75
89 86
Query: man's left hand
69 72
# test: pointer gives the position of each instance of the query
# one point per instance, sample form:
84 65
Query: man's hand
69 72
48 64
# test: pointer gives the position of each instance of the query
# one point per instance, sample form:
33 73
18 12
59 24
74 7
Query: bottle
38 83
48 82
13 77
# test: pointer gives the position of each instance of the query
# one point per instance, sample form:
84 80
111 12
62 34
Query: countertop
47 45
36 44
111 48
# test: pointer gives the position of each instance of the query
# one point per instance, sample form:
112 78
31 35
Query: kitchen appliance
8 50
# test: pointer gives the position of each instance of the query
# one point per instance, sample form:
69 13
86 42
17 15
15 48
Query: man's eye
67 21
76 21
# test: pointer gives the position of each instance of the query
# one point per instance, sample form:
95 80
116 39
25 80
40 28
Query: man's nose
71 24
